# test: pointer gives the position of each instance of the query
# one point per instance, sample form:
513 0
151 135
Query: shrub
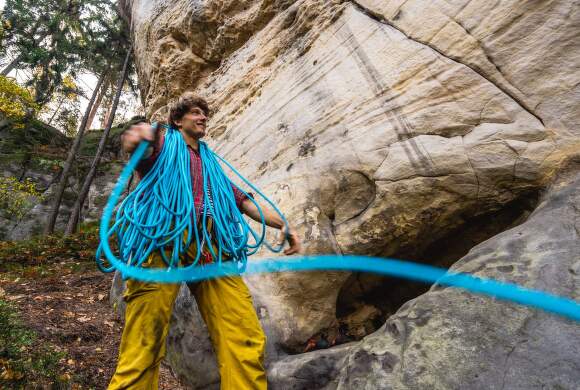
15 101
14 196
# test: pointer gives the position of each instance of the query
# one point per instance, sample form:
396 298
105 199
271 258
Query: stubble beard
195 133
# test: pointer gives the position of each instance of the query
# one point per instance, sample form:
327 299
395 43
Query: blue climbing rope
155 213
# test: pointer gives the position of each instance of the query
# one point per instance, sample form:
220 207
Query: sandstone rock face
178 43
374 127
529 50
451 339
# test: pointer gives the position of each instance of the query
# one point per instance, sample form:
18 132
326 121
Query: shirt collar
196 151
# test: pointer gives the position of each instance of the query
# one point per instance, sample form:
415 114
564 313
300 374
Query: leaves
57 40
15 101
21 358
46 253
15 195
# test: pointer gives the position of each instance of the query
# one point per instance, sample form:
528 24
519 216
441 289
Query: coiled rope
156 214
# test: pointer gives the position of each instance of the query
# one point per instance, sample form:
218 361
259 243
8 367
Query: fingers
144 130
295 246
135 134
291 251
130 141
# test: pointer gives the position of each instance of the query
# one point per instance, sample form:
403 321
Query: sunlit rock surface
380 128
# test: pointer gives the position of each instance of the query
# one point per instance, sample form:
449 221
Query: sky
88 82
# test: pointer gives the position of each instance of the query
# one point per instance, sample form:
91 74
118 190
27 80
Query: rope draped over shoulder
156 214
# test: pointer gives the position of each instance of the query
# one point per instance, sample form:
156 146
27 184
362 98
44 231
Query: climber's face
193 123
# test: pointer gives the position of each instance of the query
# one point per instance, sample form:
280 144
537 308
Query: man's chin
197 133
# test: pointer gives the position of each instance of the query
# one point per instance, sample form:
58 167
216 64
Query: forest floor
57 327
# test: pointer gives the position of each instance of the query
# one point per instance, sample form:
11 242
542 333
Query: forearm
271 218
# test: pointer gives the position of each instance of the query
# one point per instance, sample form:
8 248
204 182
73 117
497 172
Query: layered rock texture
409 129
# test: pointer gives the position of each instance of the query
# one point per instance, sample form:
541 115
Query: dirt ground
67 305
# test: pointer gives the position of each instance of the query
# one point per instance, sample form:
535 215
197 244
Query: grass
25 363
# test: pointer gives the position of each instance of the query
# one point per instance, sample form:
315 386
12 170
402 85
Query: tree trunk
19 57
57 109
97 105
106 117
49 228
74 218
12 65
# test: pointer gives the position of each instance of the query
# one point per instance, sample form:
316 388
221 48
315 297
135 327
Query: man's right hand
132 137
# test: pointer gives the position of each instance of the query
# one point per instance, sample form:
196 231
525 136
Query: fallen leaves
61 294
39 298
49 250
15 297
8 374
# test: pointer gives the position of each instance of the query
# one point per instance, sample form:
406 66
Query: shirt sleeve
145 165
240 196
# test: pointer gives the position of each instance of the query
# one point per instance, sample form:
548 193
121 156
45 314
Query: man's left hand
293 240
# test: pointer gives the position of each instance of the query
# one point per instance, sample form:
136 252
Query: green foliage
55 38
42 249
14 196
15 101
67 112
91 140
68 120
23 362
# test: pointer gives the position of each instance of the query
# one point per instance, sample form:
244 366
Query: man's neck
193 142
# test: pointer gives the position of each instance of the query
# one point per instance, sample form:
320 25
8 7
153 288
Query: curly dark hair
186 102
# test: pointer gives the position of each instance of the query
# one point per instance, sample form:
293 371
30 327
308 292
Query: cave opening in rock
365 301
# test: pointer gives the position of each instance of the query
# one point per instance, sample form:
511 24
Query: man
225 303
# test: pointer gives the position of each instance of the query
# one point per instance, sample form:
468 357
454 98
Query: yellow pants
227 309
